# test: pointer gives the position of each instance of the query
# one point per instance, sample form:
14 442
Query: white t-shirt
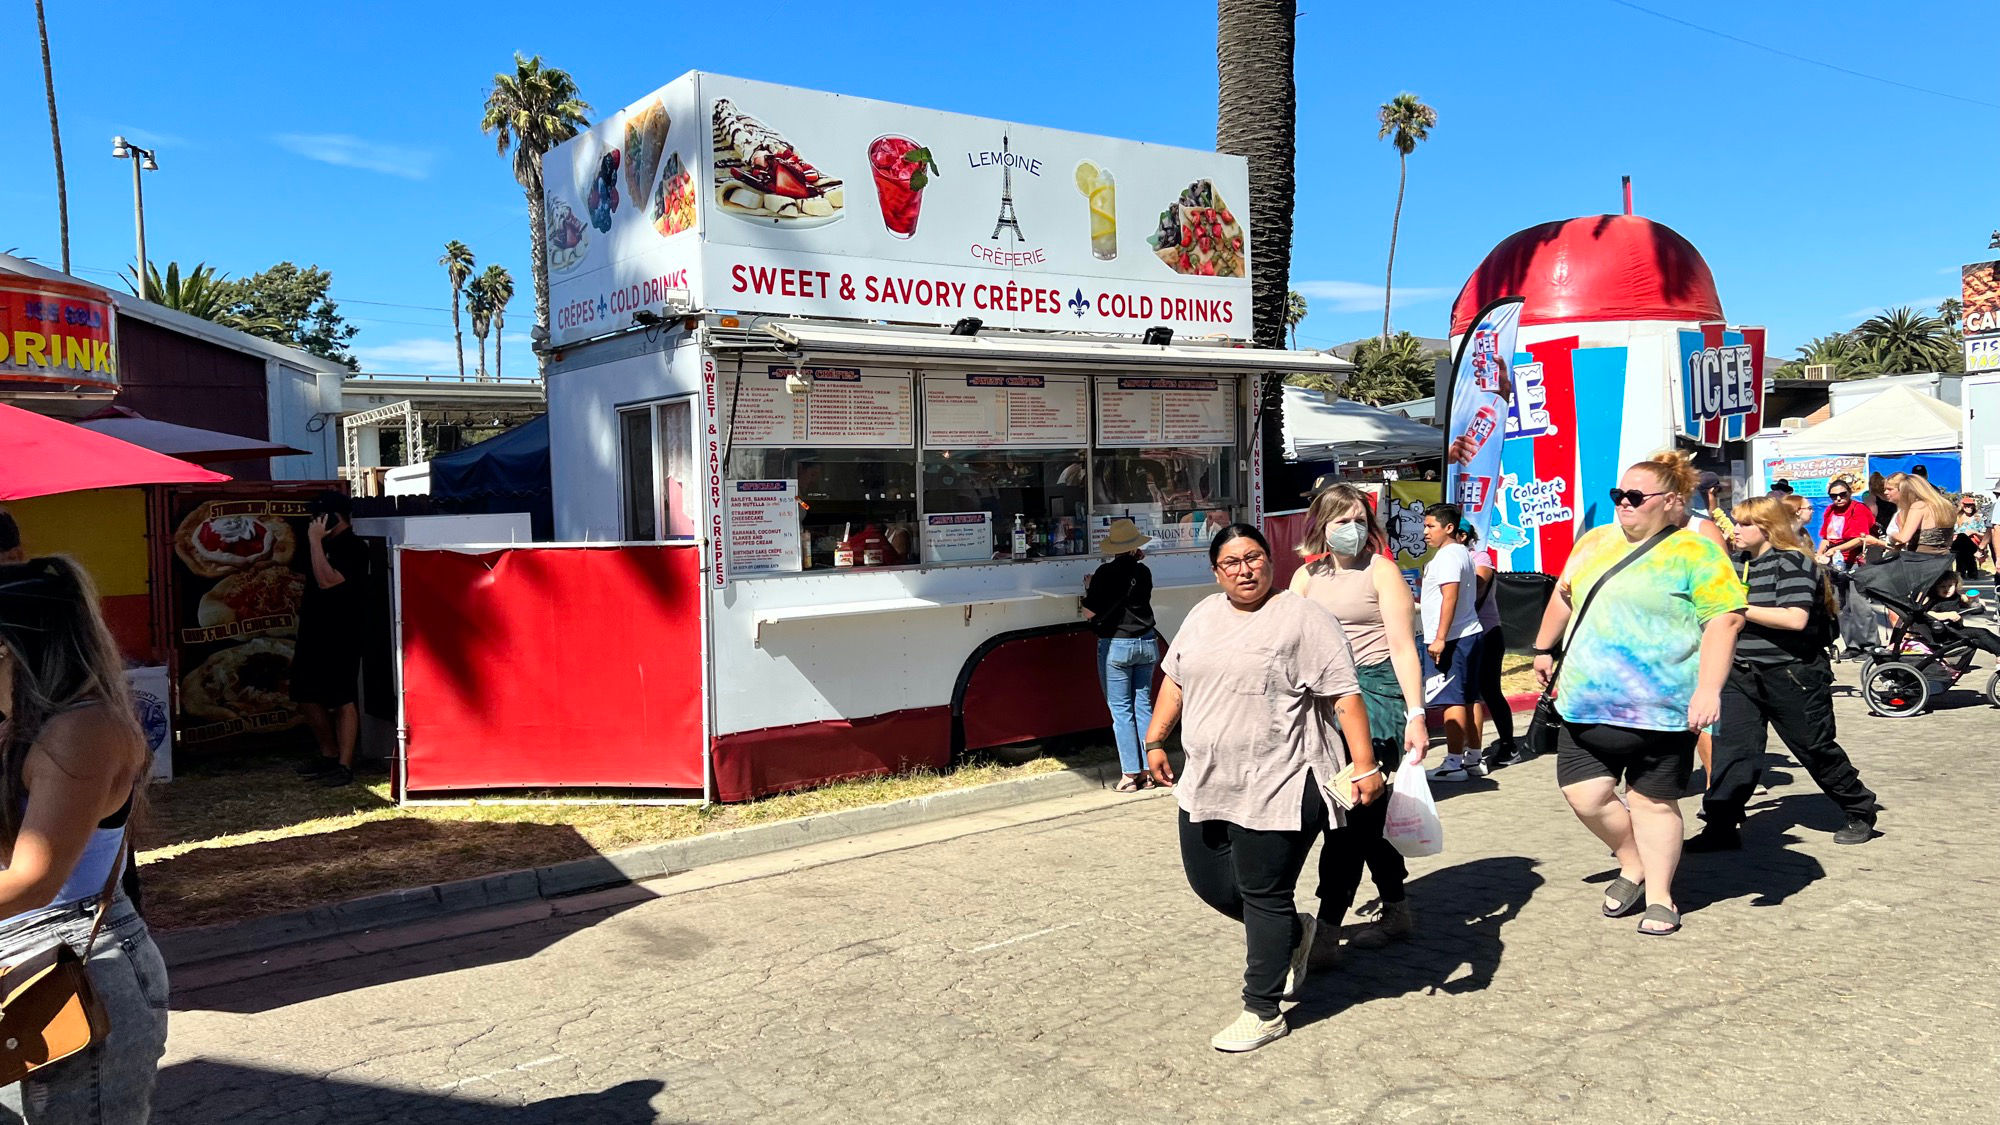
1452 563
1489 610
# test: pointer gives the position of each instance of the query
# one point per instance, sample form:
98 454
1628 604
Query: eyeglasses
1838 495
1252 561
1632 496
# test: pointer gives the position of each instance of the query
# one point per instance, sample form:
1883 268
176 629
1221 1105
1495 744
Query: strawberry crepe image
760 176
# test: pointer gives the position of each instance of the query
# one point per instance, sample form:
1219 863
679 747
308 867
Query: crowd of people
1690 627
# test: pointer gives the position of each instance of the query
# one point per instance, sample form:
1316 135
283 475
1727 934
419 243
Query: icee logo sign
1528 410
1722 377
1720 382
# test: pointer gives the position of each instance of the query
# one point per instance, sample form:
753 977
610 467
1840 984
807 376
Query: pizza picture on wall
1198 235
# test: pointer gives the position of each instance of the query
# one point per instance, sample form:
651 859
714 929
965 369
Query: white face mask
1346 539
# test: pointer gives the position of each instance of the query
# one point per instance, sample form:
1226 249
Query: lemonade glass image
1102 193
899 164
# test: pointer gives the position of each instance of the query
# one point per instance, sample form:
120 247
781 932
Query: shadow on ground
203 1092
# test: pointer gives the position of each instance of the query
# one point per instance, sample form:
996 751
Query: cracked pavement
1060 969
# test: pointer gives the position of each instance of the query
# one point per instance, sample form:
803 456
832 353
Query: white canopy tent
1320 427
1899 420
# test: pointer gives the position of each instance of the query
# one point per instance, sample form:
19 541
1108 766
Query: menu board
844 406
1144 410
764 526
958 537
1006 412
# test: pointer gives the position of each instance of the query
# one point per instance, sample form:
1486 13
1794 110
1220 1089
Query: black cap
1783 486
331 502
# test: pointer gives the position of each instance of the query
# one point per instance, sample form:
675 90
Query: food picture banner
717 193
764 527
1721 383
1979 291
57 334
1481 396
1810 476
981 411
845 406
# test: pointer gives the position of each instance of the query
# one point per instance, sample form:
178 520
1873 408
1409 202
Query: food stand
865 407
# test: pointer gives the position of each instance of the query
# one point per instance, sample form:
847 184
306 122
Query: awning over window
818 340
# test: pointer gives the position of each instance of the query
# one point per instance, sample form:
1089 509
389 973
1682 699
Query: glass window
1040 492
1180 494
676 442
636 466
857 507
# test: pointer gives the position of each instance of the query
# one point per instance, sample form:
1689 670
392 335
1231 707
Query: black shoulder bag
1542 727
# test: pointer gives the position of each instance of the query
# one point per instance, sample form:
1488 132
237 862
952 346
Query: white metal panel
584 465
1981 440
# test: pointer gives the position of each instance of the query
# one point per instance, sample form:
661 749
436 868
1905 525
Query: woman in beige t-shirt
1272 714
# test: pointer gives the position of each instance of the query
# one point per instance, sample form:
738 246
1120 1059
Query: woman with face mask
1349 575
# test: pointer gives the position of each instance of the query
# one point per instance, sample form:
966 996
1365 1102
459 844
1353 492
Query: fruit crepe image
1198 235
215 546
569 235
674 203
1100 191
903 168
645 145
603 199
268 593
759 175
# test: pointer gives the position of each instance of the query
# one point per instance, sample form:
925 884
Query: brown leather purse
48 1011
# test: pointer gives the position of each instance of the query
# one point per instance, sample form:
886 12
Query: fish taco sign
721 194
55 333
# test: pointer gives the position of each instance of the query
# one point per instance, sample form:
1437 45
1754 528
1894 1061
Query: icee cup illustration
1101 191
903 168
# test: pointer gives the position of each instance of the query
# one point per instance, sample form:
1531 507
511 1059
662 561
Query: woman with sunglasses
1273 713
72 758
1351 577
1643 669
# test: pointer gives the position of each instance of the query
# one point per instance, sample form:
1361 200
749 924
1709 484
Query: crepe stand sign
238 580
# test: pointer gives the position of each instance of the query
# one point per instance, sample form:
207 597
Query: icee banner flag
1482 386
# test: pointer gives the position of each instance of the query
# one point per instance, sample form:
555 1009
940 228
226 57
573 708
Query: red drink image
902 169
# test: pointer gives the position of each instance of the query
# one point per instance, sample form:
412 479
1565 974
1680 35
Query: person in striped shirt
1780 679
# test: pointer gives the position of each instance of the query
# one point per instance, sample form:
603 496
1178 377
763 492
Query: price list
1152 411
1006 411
845 407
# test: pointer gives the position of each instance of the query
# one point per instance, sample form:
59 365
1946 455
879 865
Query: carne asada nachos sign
718 193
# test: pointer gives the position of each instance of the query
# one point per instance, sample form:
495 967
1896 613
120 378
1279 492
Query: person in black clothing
1781 679
10 541
326 669
1118 600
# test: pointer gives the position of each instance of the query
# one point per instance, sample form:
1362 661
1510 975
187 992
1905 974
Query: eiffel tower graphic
1007 221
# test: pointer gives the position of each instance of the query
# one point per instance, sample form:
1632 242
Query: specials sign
1721 383
717 193
57 333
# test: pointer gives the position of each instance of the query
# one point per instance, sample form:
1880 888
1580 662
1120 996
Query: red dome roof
1601 267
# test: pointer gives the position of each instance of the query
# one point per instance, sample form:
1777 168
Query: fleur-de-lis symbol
601 307
1078 305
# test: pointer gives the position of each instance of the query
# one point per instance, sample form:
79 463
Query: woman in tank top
1349 576
71 759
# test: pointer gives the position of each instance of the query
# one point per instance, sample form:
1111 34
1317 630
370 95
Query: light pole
142 160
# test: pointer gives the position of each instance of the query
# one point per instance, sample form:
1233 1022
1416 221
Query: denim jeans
1125 671
110 1083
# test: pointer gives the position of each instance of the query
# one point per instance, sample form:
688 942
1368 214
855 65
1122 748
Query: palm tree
1257 117
1295 314
1409 122
1394 372
200 292
480 305
1838 351
499 287
55 134
1951 310
457 263
532 111
1904 340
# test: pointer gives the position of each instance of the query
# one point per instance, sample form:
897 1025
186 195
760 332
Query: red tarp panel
43 456
758 763
556 667
1034 686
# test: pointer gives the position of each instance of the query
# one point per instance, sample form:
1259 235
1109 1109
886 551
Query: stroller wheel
1895 689
1993 690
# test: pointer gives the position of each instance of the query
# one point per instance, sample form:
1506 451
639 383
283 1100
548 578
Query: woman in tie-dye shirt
1643 671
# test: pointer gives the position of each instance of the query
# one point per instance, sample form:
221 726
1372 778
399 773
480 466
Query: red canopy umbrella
42 456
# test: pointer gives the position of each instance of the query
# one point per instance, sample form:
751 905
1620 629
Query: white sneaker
1451 769
1476 767
1250 1032
1295 977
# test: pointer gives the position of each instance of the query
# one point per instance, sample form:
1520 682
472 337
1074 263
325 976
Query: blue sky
347 135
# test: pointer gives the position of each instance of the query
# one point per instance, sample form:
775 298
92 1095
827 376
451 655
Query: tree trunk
482 356
457 334
55 134
538 251
499 341
1256 117
1395 226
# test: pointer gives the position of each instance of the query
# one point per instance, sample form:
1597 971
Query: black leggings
1493 650
1252 875
1346 849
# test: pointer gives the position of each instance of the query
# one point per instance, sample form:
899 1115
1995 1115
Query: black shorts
1655 763
326 672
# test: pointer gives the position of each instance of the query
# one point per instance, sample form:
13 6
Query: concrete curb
183 948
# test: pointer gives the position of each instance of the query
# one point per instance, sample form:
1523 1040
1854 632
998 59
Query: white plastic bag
1413 828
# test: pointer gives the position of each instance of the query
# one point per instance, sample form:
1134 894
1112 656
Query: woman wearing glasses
1643 666
1272 714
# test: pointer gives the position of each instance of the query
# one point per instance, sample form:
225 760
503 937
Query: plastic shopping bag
1413 828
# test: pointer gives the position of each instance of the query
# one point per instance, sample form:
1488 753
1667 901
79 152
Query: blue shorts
1448 680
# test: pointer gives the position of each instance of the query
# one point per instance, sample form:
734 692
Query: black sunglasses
1838 495
1632 496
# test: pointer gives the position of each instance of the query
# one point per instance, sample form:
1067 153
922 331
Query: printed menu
764 526
1138 410
845 407
1006 411
958 537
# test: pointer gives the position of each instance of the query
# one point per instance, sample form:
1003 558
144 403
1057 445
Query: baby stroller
1932 644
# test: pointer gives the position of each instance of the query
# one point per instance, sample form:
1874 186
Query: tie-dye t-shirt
1632 660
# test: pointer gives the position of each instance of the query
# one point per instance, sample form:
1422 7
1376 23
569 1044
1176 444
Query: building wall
583 432
170 377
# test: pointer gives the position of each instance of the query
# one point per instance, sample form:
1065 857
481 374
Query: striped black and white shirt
1780 579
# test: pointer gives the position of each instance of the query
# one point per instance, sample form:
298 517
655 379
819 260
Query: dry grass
246 838
1517 674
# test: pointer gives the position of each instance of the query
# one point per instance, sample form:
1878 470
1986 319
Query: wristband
1160 745
1540 651
1370 773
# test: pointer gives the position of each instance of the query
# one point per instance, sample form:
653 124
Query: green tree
1257 118
55 133
1408 123
530 112
499 286
1904 340
457 262
290 305
199 292
479 304
1295 314
1394 372
1837 350
1951 310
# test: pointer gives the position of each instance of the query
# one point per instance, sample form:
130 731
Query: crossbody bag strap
1576 618
111 880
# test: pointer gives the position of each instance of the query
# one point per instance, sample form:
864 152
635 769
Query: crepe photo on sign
267 593
569 235
216 545
645 143
1198 235
760 176
241 681
674 203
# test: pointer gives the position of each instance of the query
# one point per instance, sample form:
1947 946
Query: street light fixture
142 160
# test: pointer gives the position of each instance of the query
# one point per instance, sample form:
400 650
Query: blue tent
505 473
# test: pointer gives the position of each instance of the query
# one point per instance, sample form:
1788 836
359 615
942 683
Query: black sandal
1627 894
1657 913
